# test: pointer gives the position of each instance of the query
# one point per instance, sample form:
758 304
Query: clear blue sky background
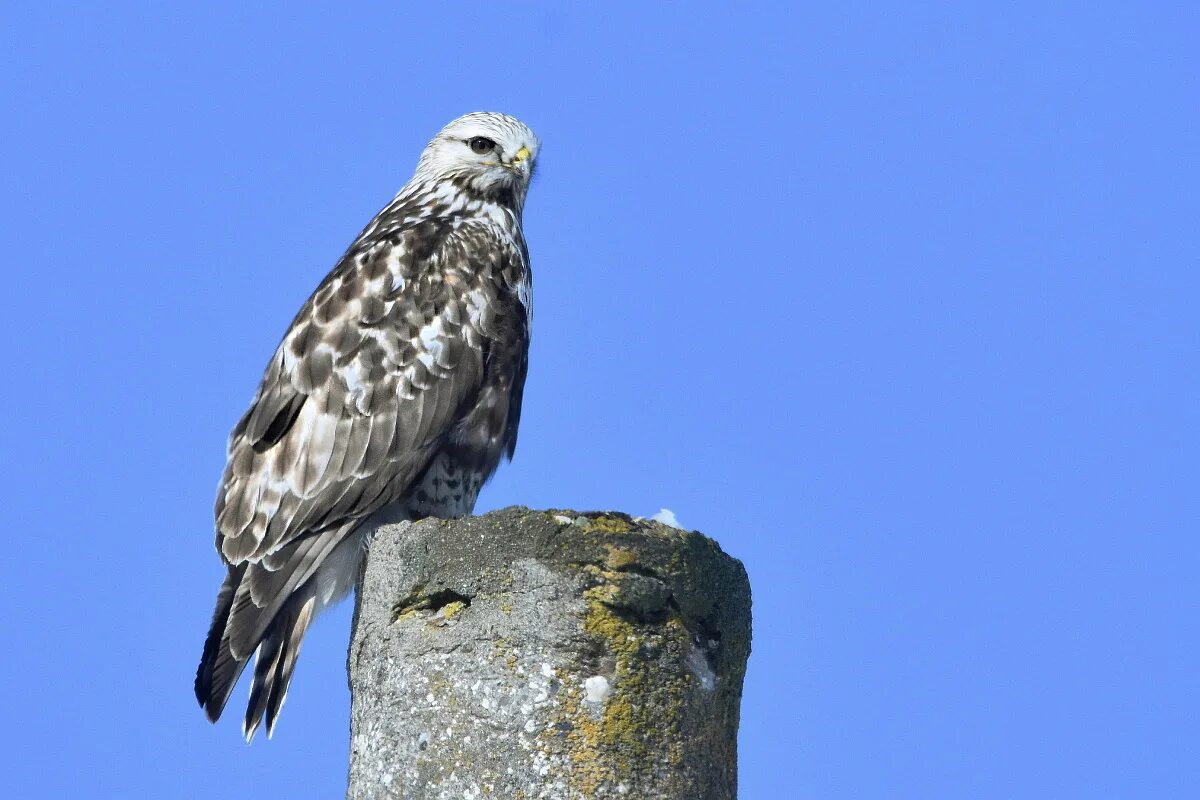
897 305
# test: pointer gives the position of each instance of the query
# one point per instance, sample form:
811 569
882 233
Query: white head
493 154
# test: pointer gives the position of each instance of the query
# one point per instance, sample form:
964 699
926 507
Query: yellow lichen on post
619 557
448 612
607 523
637 725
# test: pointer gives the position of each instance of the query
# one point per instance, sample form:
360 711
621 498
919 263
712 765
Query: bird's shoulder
411 267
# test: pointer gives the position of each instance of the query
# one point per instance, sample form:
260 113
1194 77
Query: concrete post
547 654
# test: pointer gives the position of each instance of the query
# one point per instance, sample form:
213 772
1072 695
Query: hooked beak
521 156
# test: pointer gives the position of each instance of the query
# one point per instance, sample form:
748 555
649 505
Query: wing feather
356 390
320 442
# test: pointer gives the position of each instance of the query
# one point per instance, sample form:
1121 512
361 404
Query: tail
263 609
275 654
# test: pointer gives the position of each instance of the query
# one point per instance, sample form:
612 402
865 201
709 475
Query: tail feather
287 664
219 669
275 662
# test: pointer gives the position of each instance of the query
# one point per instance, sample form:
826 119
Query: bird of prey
393 395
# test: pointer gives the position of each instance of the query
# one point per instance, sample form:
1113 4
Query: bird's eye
481 144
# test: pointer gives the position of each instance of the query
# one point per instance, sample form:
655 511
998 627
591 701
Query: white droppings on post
597 688
667 517
697 663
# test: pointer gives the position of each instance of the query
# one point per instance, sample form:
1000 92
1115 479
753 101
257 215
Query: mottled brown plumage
393 395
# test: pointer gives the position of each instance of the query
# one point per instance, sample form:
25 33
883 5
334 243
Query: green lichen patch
619 558
506 650
609 523
636 733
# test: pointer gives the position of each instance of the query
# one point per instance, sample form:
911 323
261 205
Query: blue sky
897 305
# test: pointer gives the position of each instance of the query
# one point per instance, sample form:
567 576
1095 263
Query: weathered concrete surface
547 654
